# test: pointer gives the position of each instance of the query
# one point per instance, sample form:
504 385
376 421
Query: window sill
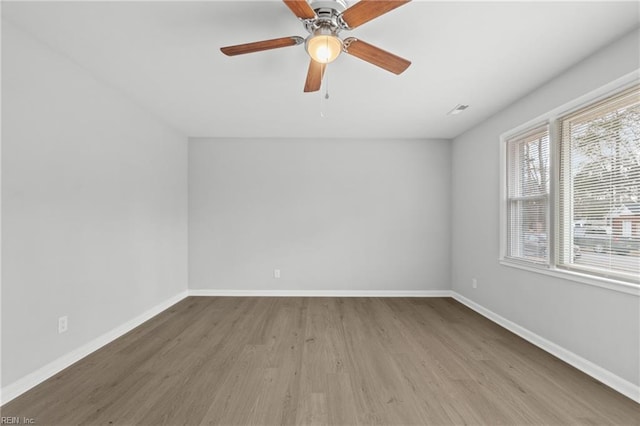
608 283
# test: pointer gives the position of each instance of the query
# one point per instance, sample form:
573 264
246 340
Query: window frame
518 137
553 119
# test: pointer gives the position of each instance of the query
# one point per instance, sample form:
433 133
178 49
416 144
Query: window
528 196
600 187
572 191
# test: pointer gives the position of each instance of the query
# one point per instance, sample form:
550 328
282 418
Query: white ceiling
164 55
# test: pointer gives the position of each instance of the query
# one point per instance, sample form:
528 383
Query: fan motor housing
328 16
338 6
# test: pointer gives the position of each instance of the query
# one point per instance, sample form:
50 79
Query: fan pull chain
325 98
326 83
326 79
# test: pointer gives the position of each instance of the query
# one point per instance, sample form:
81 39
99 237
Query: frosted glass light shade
324 48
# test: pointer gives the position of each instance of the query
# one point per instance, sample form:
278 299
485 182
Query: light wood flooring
319 361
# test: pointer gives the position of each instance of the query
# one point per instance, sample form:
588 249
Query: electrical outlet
474 283
63 324
276 273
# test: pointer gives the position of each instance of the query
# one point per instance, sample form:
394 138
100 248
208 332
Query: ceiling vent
458 109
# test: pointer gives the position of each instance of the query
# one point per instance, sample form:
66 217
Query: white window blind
599 208
528 196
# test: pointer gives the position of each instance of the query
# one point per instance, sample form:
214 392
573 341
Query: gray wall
94 207
346 215
600 325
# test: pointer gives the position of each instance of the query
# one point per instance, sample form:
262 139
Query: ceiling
165 56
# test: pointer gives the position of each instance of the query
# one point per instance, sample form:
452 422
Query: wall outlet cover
63 324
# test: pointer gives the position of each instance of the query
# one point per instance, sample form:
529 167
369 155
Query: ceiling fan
324 20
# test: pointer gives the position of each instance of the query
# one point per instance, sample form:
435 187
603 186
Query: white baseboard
610 379
22 385
321 293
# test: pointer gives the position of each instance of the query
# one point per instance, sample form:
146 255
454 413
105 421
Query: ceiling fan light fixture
324 20
323 46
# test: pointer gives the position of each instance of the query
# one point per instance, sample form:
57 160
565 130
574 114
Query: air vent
458 109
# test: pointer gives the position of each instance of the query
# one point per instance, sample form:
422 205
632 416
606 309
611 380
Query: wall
597 324
333 215
94 197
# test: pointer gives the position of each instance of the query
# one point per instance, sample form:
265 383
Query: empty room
320 212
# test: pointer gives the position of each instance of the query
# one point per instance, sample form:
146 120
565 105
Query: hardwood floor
315 361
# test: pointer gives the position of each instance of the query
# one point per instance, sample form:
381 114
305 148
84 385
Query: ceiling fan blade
300 8
241 49
314 76
375 55
366 10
